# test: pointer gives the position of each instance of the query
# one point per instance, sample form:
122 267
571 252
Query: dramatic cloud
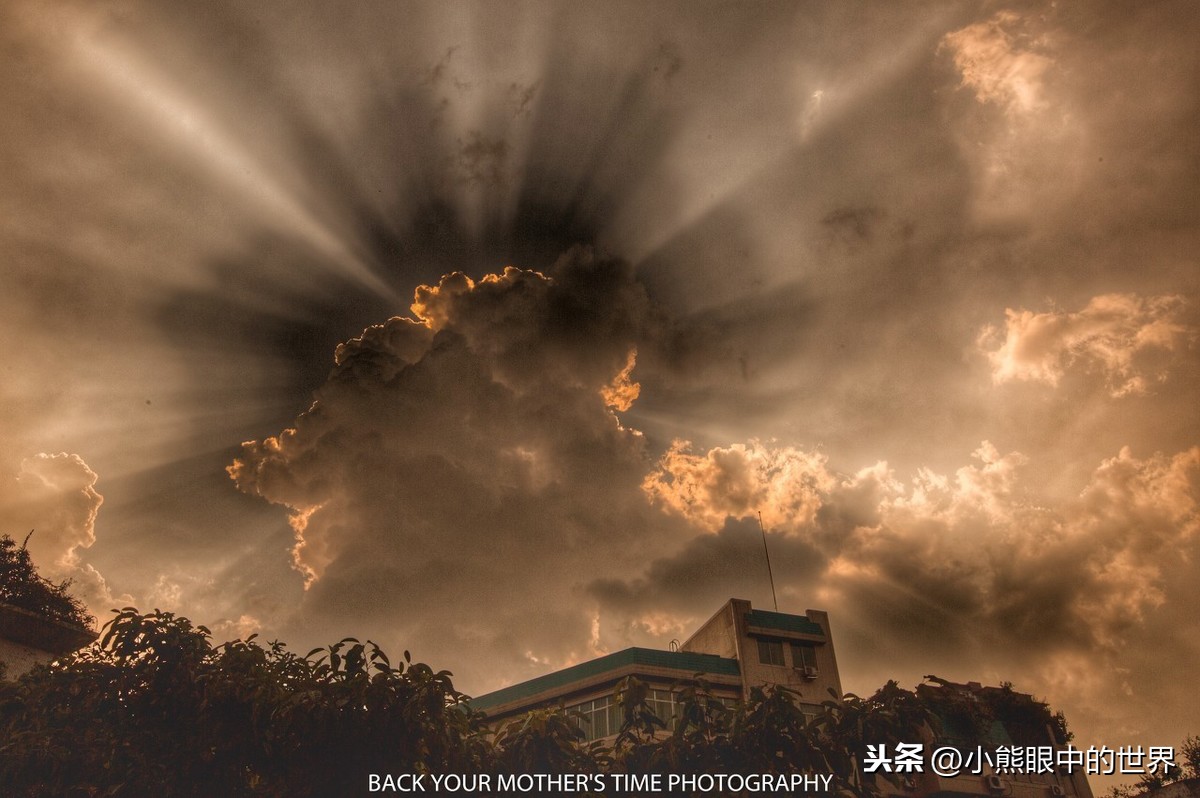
968 546
471 453
1111 335
942 566
54 496
1022 125
821 205
785 484
999 61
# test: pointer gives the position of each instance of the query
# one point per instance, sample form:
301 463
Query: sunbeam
185 125
364 320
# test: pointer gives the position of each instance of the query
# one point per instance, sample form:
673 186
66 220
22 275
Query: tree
154 708
21 586
970 711
1187 766
766 734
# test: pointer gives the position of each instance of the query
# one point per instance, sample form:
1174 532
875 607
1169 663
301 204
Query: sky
485 330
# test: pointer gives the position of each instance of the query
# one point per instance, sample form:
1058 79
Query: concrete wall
727 634
719 635
812 691
27 639
19 658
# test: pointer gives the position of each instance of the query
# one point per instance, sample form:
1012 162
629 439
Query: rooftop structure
739 648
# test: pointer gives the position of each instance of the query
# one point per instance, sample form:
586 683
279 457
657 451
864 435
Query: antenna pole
770 575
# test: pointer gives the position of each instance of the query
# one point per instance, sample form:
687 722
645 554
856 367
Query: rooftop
686 663
783 622
29 628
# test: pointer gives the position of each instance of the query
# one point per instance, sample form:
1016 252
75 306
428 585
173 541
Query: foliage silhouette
21 586
154 708
1187 768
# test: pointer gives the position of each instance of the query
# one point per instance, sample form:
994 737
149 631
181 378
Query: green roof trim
783 622
688 664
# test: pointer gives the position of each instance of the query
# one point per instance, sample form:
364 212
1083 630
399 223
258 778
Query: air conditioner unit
994 783
909 783
1056 791
808 671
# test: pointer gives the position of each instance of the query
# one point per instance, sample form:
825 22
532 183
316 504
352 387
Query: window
600 717
662 702
804 655
770 652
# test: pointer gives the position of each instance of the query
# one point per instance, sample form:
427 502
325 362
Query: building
1017 722
28 639
740 648
737 649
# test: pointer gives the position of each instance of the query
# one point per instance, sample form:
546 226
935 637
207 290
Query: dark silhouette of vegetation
970 711
154 708
1187 767
21 586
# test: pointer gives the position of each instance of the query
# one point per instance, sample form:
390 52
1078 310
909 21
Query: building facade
741 648
737 649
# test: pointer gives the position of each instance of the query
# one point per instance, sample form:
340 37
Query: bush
153 708
22 586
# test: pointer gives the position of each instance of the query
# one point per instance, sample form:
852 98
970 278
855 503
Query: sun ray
188 127
820 106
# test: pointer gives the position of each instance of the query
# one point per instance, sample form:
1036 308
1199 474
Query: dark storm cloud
186 191
470 454
702 576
